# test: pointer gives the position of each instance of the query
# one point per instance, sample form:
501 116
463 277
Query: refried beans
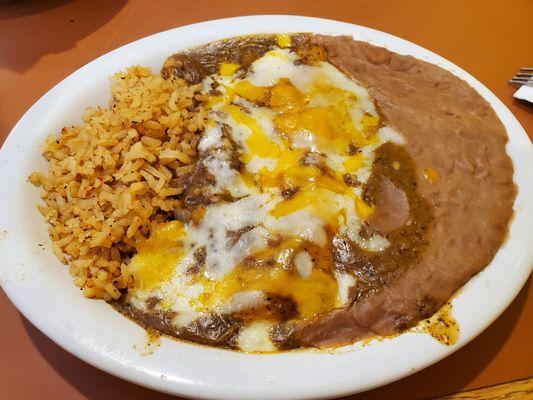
451 129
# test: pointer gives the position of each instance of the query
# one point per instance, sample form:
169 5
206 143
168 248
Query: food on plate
273 192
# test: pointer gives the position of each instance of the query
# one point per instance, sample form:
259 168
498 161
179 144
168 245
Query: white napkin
525 92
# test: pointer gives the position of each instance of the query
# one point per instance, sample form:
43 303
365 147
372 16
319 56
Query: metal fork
524 77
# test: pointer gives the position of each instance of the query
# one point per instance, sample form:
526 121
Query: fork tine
517 83
524 77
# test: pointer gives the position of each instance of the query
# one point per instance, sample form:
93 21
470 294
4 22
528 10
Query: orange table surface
41 42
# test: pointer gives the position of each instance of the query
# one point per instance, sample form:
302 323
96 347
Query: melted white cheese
211 138
279 63
345 282
256 164
242 301
304 264
212 233
256 338
302 224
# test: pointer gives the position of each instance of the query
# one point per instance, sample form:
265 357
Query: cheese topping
299 131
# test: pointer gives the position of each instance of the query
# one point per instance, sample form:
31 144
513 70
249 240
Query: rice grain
111 179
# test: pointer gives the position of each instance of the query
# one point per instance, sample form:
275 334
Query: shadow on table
30 29
450 375
89 381
10 9
524 105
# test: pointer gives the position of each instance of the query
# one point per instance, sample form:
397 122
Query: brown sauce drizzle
210 329
442 326
375 270
276 308
195 64
150 343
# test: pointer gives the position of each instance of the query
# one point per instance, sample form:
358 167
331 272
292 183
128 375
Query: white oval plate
43 291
